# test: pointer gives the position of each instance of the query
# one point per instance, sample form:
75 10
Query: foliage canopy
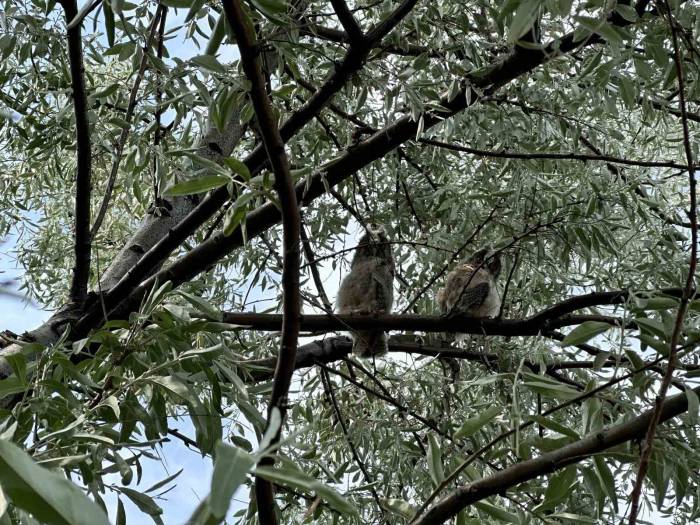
550 130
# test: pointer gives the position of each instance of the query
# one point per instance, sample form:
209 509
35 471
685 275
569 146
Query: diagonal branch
291 223
121 141
348 21
575 452
83 239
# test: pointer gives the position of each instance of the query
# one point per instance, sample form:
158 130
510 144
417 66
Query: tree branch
83 240
688 290
575 452
124 134
556 316
504 154
348 21
291 222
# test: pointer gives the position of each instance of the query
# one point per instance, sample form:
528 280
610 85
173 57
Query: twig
315 274
121 141
688 290
505 154
328 387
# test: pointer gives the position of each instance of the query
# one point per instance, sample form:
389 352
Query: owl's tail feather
368 344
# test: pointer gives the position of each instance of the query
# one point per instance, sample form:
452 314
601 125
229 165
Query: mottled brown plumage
368 288
470 288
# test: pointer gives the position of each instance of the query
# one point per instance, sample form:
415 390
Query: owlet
470 288
368 288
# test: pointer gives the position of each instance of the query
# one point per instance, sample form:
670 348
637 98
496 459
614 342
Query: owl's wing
382 287
473 297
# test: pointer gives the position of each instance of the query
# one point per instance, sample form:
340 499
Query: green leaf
399 507
435 468
209 63
476 423
523 19
298 480
238 167
556 427
142 501
203 306
497 512
607 479
109 22
200 185
230 470
217 36
584 332
548 386
557 488
272 9
48 496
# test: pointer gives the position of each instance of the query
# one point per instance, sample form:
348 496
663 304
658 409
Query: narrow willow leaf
556 427
523 19
230 470
48 496
399 506
200 185
208 62
298 480
584 332
435 468
476 423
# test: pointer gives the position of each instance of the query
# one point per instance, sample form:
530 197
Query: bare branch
291 223
121 141
688 290
83 241
575 452
504 154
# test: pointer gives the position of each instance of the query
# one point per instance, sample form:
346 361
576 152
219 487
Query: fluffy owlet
368 288
470 288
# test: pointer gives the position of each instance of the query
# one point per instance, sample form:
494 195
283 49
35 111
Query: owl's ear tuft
494 265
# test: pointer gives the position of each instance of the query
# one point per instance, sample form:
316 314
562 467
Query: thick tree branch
348 21
331 349
576 452
83 240
551 318
291 223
